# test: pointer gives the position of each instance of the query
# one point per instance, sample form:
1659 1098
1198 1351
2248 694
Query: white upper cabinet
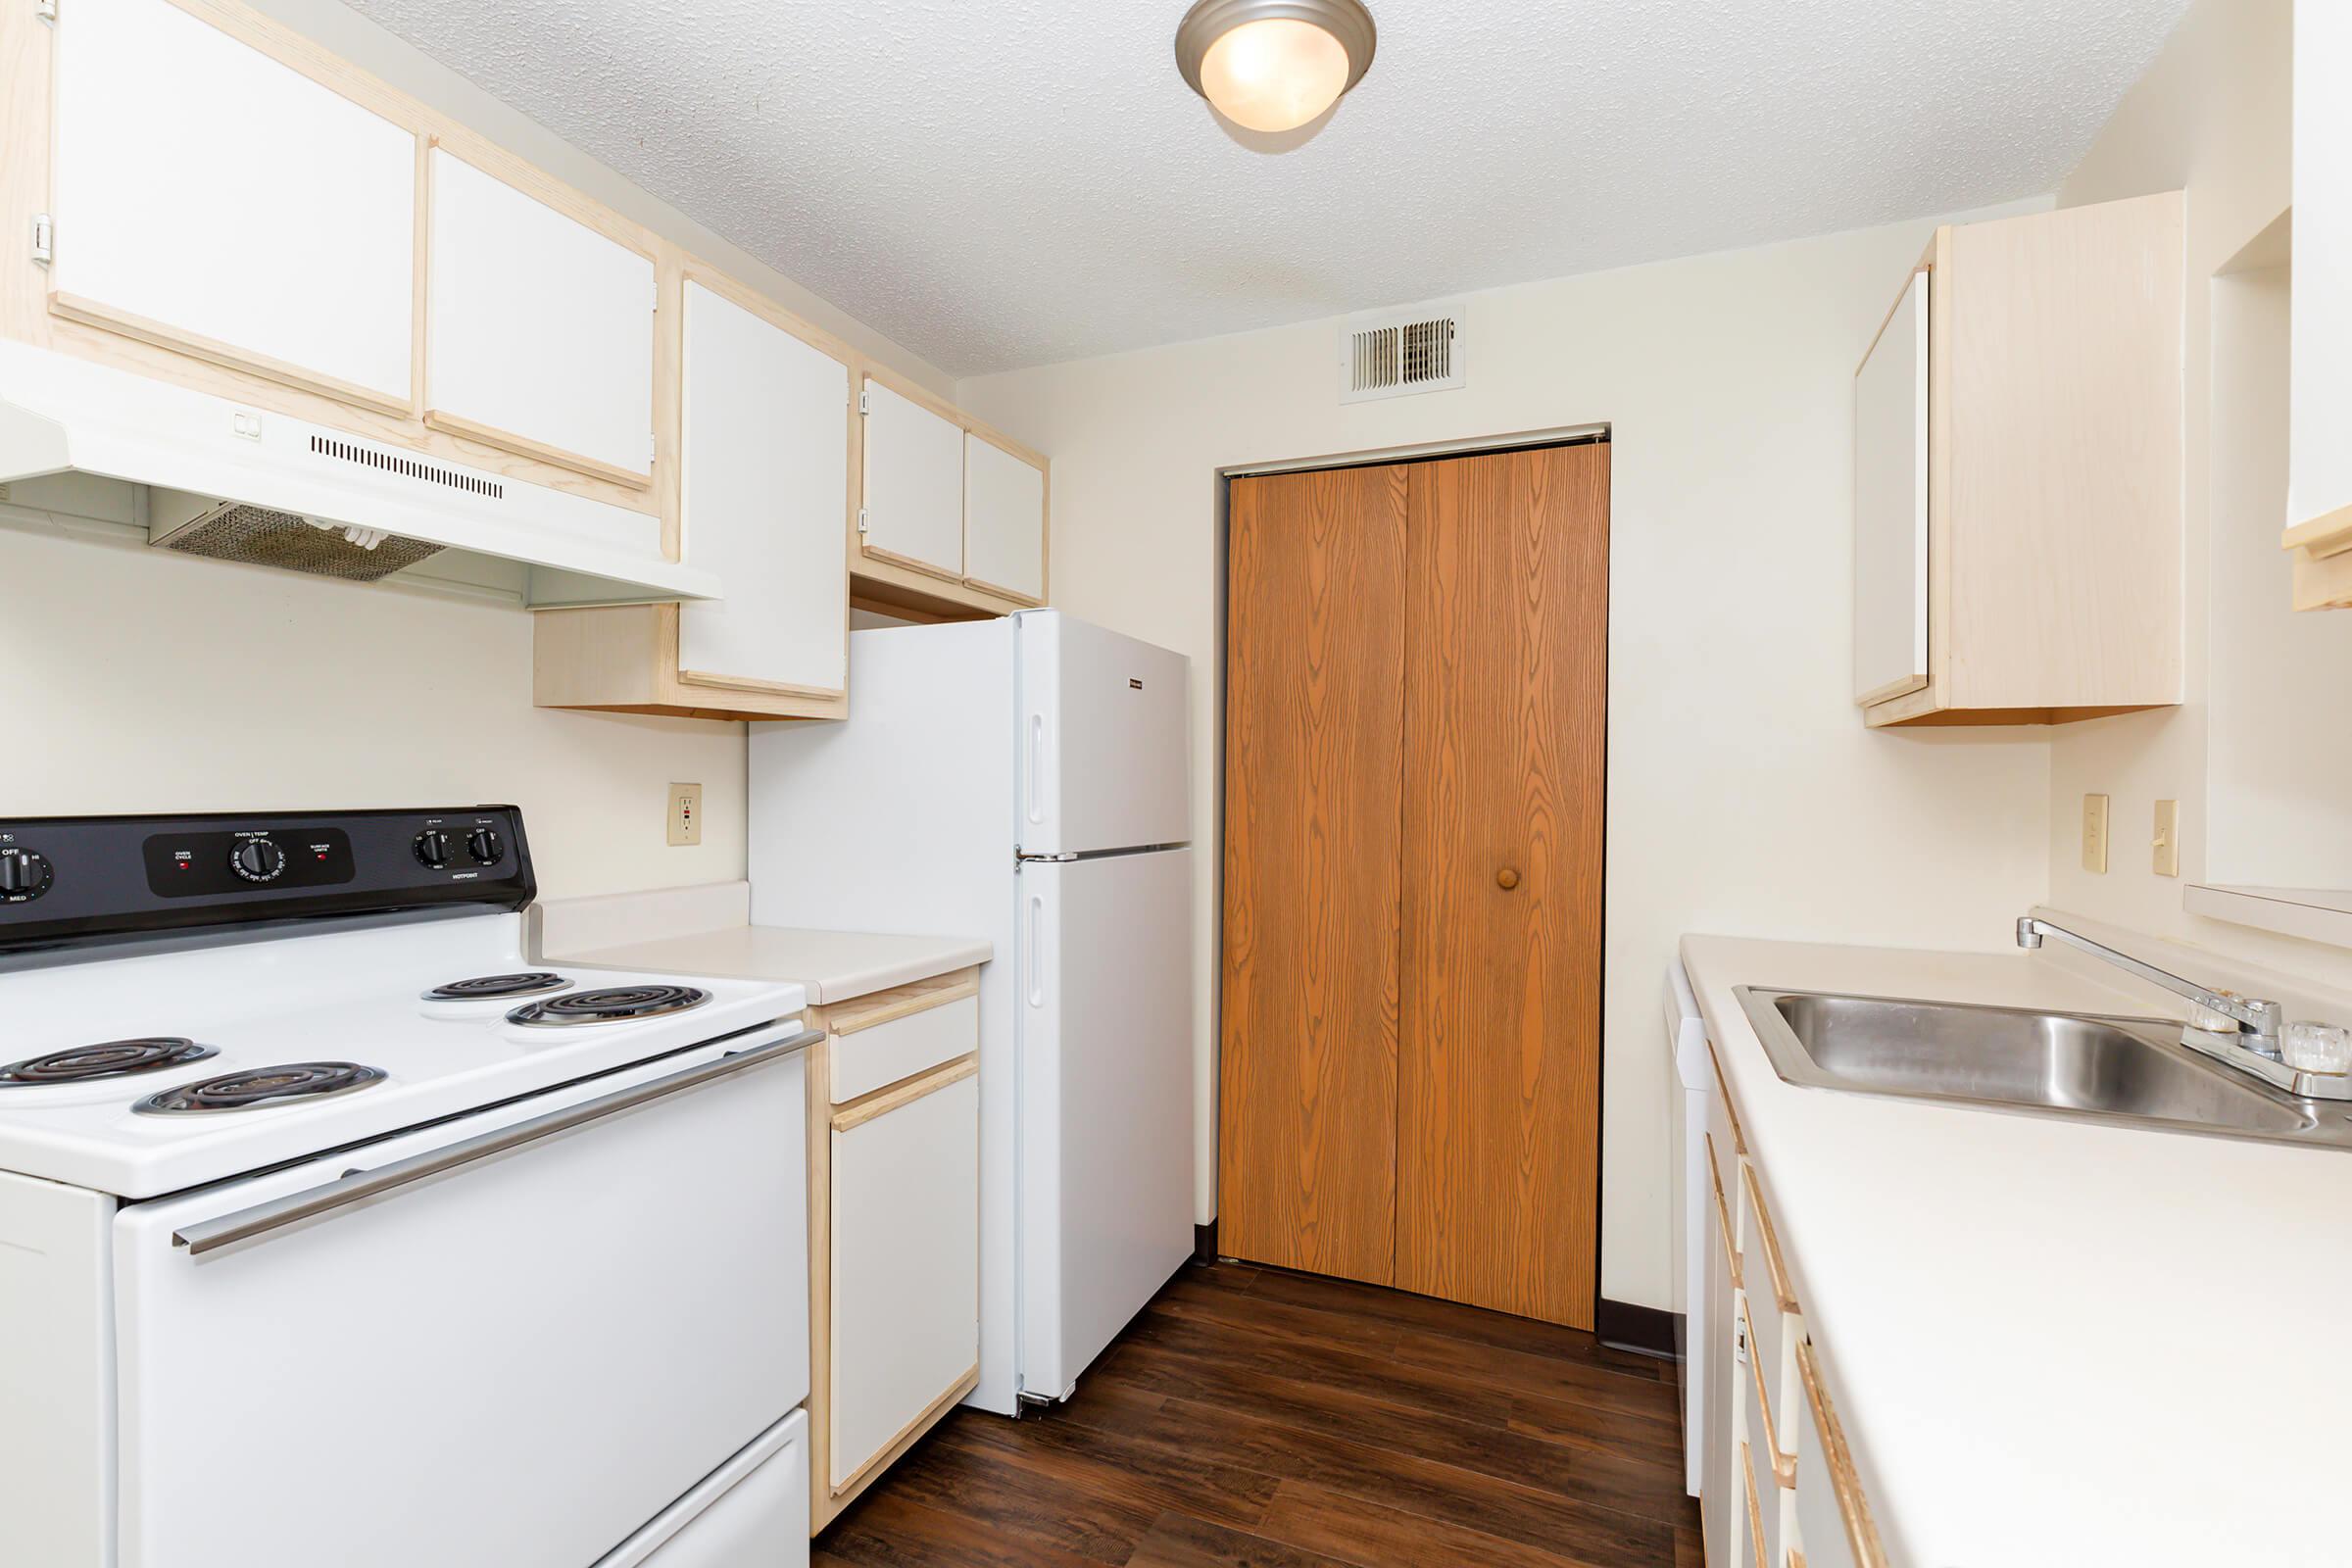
1003 521
2318 468
1890 505
540 329
764 498
210 199
914 484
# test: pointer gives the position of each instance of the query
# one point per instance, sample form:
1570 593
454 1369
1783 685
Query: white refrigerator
1027 780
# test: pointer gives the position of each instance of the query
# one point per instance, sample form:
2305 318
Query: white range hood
83 442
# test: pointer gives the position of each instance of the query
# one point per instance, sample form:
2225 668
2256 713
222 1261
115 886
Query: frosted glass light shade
1274 64
1275 75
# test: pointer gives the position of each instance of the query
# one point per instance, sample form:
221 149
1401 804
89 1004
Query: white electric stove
333 1230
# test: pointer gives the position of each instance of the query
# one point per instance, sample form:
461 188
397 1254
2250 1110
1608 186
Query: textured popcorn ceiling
1008 183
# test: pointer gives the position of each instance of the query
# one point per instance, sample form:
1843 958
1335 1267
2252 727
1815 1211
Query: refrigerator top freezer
1026 780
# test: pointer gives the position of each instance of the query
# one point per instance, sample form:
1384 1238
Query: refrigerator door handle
1037 767
1037 961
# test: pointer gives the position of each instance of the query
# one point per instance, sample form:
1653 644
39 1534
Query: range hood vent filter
261 538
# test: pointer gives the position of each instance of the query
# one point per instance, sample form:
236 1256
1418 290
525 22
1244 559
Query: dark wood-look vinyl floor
1251 1418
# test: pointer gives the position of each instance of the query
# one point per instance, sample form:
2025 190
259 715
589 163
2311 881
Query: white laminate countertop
704 930
2052 1341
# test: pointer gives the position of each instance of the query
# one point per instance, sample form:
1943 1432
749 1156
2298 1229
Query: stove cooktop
214 1062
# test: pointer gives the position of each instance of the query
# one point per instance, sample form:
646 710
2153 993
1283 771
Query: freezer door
1104 748
1105 978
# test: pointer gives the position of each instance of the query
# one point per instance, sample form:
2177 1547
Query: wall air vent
1393 354
407 467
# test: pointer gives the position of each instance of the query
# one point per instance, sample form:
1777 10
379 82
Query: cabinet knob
1506 879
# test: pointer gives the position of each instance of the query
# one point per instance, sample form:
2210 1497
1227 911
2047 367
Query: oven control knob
23 874
433 847
258 861
485 845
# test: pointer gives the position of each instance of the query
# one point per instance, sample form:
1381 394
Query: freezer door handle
1037 767
1037 959
359 1185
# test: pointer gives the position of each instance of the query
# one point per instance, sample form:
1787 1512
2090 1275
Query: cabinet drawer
1831 1516
905 1299
877 1054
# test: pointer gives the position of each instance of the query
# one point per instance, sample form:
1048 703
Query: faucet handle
2316 1048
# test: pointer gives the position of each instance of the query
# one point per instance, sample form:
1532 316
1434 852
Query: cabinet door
764 486
914 484
541 329
906 1275
212 199
2319 458
1890 505
1003 521
1722 1506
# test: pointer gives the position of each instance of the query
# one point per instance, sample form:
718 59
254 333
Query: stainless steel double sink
2132 1071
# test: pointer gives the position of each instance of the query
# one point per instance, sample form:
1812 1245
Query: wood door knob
1506 879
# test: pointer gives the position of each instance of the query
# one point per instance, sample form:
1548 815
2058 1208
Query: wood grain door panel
1499 1055
1314 769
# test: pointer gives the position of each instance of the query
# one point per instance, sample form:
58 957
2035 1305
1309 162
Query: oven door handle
360 1186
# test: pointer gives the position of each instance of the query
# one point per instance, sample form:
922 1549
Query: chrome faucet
2258 1022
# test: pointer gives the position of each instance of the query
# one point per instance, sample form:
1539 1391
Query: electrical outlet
2167 837
2095 834
685 813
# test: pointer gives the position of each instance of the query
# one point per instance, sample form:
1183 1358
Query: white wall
143 681
2265 686
1744 793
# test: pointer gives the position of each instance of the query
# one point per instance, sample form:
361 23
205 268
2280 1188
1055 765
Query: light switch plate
685 813
2167 837
2095 834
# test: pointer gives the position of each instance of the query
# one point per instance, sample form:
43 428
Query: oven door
505 1341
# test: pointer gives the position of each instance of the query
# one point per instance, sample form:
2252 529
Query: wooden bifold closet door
1415 744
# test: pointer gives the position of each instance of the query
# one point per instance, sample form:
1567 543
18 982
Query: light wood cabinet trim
1722 1214
2323 582
1783 1465
819 1114
457 424
900 1001
908 562
1784 1292
1014 594
1731 1110
898 1444
2325 536
89 313
1853 1504
1755 1505
882 1101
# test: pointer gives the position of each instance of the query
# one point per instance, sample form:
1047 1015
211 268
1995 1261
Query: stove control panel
70 880
25 874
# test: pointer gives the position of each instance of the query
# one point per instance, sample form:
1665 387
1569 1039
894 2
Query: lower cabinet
894 1216
1777 1487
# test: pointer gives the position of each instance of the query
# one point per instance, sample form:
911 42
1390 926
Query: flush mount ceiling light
1274 64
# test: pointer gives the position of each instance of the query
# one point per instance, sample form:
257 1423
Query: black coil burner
115 1058
608 1005
489 986
261 1086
